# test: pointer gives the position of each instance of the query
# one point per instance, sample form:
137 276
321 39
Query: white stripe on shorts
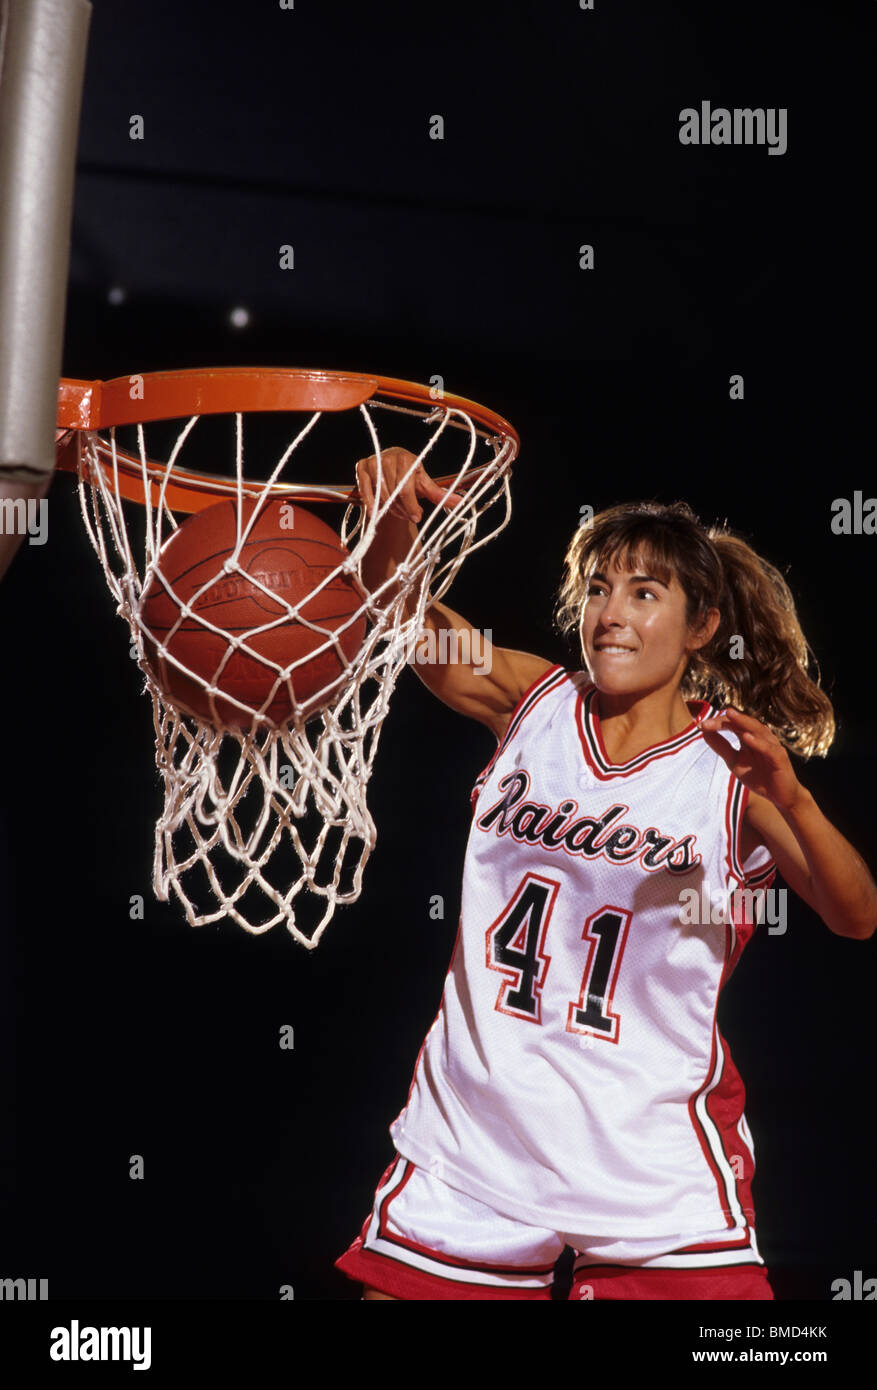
736 1246
440 1217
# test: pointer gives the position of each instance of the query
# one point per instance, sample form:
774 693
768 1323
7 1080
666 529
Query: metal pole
42 65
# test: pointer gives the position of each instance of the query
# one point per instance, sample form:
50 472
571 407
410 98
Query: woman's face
633 631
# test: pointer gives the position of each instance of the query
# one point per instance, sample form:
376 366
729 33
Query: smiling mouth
613 651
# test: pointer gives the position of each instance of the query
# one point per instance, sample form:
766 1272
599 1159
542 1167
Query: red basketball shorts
424 1240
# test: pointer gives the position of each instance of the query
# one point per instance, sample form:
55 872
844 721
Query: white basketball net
254 817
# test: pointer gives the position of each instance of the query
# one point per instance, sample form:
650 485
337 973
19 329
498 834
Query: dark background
415 257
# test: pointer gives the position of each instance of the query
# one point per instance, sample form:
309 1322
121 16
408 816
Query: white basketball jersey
575 1077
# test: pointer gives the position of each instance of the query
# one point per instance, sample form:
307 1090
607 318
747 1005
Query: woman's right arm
457 663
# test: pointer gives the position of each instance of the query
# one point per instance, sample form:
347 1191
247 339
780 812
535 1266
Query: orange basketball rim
137 399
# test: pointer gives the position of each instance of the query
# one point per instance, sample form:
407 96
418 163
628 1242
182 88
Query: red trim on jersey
768 874
759 878
737 827
737 795
510 730
729 829
591 739
598 734
726 1099
736 858
706 1150
725 1105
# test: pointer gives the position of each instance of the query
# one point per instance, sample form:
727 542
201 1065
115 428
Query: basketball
289 551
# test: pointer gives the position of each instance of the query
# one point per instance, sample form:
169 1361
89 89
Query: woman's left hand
761 762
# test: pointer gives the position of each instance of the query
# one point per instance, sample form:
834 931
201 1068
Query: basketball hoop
257 812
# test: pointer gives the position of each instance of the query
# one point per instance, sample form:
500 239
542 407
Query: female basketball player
574 1088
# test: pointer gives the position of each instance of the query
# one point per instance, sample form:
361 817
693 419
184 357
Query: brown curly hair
716 569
